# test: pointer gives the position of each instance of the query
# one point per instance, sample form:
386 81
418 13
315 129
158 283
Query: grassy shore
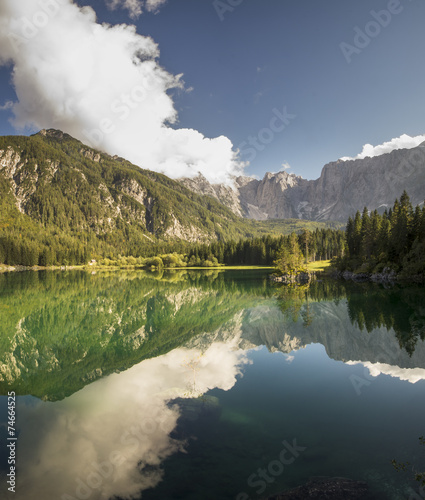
319 265
97 267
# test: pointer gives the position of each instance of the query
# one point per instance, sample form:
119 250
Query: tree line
393 240
321 244
28 244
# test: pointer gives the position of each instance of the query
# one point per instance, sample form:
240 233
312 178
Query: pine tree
366 235
306 238
401 222
357 234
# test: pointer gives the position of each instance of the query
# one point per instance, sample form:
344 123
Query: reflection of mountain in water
370 307
173 339
61 331
382 329
331 327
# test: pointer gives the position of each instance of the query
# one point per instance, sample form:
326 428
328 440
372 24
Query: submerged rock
386 277
326 488
297 278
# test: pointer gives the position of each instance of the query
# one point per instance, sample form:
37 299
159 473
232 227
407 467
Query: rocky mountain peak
343 187
51 132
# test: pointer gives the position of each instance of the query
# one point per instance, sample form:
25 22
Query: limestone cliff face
22 182
187 233
226 195
277 196
347 186
342 188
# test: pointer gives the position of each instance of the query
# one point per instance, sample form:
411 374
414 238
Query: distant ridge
342 188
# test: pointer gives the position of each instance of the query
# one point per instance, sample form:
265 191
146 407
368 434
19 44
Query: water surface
208 385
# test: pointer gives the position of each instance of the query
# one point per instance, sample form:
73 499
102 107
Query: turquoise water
209 385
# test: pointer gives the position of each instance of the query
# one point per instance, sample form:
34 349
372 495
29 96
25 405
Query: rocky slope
342 188
221 192
59 182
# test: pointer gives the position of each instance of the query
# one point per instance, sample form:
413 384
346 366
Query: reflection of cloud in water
111 437
411 375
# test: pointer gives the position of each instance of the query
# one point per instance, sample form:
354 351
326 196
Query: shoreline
387 278
86 267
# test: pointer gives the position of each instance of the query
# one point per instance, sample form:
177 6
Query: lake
208 385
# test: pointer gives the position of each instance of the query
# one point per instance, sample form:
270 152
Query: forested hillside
62 202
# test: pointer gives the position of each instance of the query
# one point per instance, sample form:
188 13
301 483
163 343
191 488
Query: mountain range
342 188
53 187
61 200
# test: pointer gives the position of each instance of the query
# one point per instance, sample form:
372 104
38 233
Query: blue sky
244 65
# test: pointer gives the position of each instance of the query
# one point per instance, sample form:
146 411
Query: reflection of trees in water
64 330
400 308
291 299
307 315
294 300
369 305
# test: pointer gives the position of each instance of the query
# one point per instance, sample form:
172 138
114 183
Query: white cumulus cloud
402 142
6 105
103 85
135 7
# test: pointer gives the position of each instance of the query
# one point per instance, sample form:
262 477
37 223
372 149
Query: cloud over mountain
402 142
103 85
